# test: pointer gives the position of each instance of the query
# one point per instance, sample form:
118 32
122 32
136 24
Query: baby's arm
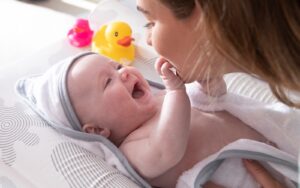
172 132
167 142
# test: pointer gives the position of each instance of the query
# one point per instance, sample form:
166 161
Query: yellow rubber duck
114 40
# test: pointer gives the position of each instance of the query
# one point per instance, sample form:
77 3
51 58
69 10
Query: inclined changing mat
224 167
70 158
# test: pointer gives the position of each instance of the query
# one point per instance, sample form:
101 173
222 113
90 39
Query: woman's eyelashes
149 25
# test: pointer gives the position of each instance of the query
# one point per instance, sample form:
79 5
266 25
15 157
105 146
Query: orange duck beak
126 41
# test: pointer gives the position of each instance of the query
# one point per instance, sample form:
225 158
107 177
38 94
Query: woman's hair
257 36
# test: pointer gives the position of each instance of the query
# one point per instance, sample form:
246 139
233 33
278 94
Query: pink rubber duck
80 35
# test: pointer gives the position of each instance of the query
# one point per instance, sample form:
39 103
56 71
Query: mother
205 39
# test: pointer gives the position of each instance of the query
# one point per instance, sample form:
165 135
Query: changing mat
260 116
277 122
94 159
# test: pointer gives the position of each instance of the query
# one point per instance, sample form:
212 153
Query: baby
161 135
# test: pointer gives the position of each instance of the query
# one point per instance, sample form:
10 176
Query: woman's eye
149 25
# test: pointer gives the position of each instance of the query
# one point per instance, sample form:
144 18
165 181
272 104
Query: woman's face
178 40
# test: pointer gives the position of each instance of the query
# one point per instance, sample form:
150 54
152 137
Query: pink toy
81 34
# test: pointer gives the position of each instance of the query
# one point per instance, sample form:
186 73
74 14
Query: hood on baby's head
47 94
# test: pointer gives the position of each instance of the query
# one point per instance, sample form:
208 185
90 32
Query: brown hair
258 36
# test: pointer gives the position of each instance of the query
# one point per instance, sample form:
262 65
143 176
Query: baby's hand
169 77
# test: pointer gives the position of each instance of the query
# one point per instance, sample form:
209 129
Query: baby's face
109 95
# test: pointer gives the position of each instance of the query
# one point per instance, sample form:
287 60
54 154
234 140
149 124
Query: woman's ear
94 129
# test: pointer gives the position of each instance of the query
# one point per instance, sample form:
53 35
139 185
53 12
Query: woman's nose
149 38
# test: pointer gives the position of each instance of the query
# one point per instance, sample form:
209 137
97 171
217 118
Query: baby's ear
94 129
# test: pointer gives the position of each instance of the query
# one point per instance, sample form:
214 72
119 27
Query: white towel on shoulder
277 122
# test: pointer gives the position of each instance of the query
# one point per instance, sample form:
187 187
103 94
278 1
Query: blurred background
72 7
26 26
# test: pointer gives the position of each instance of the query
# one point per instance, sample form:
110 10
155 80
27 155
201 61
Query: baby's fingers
168 71
158 64
169 77
163 67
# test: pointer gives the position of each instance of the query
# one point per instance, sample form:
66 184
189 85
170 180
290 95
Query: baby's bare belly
209 133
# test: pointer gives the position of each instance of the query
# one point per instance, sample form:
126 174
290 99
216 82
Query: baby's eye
108 81
119 67
149 25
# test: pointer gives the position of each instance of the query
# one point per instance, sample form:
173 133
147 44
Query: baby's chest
142 132
212 131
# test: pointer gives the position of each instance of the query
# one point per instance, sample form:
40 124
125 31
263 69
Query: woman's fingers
261 175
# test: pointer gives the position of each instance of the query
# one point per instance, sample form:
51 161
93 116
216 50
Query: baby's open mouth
137 91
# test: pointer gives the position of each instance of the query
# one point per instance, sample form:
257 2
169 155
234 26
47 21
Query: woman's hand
261 175
258 172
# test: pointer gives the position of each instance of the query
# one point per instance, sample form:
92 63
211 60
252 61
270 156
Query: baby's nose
124 74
